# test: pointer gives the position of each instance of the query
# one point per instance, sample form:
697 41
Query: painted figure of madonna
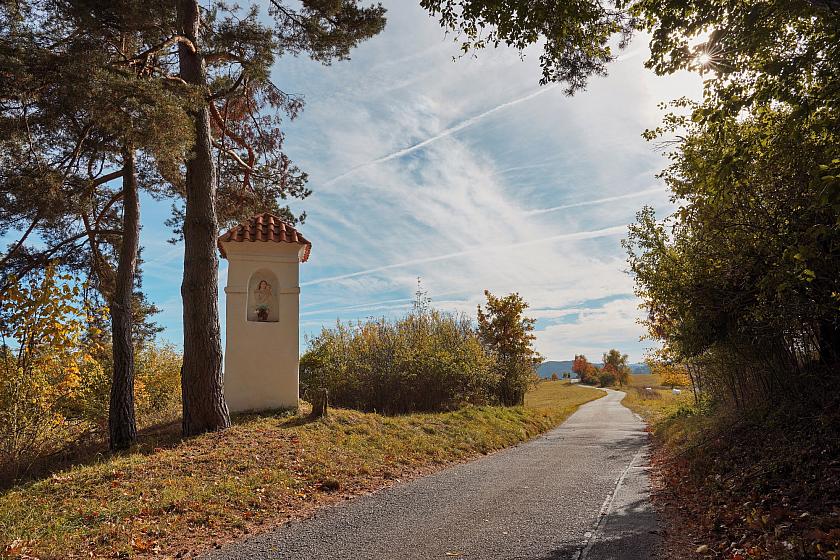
262 297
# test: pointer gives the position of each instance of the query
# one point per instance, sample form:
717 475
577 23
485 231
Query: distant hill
546 368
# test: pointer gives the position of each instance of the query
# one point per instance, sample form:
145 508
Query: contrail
651 190
460 126
605 232
442 134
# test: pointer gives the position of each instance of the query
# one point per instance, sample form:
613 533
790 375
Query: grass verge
647 398
181 499
756 485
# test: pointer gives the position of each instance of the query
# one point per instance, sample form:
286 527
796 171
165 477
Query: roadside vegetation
55 380
741 283
172 496
426 361
653 400
613 370
758 484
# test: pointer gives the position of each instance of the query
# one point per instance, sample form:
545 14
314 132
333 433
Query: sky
467 174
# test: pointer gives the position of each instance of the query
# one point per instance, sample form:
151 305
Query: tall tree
204 407
73 118
507 333
209 49
122 425
752 69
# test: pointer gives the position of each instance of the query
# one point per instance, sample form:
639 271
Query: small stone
702 549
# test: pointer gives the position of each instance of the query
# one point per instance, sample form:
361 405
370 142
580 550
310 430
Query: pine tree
74 118
224 42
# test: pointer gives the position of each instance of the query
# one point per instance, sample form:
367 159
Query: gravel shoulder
580 491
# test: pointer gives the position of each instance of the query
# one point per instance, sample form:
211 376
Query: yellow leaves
43 353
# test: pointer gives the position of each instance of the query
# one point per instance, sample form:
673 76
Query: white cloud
466 174
596 330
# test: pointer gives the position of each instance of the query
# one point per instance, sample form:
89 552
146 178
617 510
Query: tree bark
202 392
122 427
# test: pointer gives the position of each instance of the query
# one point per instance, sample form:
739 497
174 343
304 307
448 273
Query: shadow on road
625 535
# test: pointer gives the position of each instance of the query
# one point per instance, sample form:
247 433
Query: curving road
578 492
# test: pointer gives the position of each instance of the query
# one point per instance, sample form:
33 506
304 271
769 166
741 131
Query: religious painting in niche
262 297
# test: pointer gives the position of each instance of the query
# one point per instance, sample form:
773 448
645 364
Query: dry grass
189 495
655 404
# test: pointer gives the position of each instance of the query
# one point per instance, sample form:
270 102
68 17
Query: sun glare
704 59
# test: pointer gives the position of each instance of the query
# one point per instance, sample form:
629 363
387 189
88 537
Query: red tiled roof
265 227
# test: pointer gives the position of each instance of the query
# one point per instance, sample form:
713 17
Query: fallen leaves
767 492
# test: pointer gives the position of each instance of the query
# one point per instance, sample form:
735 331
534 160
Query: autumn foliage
426 361
614 369
55 373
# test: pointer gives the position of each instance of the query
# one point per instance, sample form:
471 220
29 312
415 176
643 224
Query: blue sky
465 173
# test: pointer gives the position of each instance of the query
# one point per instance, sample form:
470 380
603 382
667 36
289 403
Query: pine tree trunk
122 427
201 374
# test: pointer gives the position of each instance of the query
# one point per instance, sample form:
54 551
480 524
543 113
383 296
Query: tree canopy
507 333
576 37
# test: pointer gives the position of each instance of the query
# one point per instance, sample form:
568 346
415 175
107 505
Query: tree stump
320 398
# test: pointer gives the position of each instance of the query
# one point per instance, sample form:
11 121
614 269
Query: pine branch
247 167
20 241
175 39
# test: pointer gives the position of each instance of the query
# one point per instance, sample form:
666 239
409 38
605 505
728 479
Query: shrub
55 373
554 376
606 377
157 385
42 356
427 361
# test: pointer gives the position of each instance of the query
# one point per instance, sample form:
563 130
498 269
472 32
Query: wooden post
320 398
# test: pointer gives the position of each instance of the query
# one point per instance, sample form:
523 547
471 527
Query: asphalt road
578 492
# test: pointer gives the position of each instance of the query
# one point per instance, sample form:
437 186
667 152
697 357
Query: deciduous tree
618 365
577 38
506 331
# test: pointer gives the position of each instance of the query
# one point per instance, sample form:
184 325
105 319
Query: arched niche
262 297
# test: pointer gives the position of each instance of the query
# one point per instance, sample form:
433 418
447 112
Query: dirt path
578 492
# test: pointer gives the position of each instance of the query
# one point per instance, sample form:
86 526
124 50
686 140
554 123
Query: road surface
579 492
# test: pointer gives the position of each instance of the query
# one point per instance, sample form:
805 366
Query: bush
554 376
55 373
157 384
41 358
427 361
606 377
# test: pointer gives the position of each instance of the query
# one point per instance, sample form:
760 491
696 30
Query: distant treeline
545 369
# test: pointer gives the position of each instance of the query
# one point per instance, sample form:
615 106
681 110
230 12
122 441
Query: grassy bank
189 495
751 485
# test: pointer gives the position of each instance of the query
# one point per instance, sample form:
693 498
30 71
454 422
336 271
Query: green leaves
575 36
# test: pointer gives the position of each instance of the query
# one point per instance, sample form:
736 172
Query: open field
193 494
656 404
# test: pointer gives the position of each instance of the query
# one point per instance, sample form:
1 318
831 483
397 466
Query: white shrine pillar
262 323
